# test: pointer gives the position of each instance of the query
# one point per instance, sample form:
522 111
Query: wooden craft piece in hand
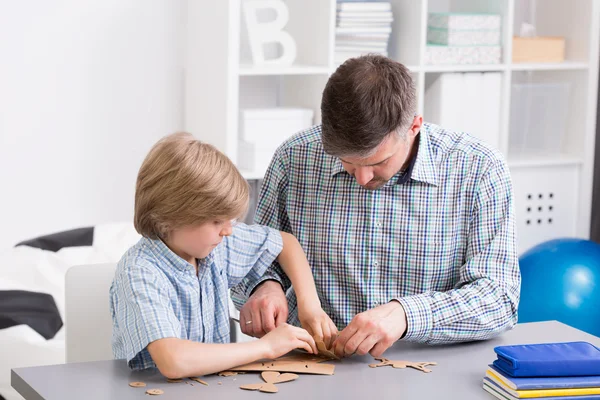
302 363
324 351
270 378
403 364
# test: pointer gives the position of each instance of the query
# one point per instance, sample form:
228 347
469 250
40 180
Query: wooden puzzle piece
154 392
228 373
270 378
195 378
324 351
302 363
137 384
403 364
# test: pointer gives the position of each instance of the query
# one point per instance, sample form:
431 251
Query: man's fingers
267 315
257 328
379 349
245 328
367 345
281 312
334 334
340 343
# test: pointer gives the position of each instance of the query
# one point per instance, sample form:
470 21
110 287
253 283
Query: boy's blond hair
184 182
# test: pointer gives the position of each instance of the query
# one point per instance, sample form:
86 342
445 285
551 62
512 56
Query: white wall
86 87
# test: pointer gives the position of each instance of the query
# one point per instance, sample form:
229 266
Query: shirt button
375 264
379 224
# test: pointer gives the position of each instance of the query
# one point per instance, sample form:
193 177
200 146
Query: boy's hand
286 338
317 323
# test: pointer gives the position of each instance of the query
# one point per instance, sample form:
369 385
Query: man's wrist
401 307
266 282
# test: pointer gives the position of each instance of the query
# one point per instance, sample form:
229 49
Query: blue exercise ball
561 281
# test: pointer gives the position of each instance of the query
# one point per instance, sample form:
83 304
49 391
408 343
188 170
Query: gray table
458 375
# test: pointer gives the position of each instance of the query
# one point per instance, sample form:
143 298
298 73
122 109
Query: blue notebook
567 382
494 389
548 359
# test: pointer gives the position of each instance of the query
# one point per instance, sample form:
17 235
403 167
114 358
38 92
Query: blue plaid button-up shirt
156 294
441 241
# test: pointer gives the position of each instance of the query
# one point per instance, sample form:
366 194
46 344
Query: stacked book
461 38
547 371
362 28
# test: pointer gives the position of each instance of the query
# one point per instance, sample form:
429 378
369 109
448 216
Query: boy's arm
179 358
272 212
295 265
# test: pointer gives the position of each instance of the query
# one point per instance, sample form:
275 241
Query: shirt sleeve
249 251
271 212
142 310
485 301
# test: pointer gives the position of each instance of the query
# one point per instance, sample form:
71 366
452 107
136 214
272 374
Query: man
409 228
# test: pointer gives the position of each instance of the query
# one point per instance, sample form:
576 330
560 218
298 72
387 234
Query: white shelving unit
221 80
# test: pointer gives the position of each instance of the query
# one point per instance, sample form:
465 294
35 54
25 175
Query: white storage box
454 55
268 125
456 37
538 118
464 21
545 208
262 131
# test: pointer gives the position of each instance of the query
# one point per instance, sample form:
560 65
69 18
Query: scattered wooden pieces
179 380
195 378
403 364
270 378
137 384
154 392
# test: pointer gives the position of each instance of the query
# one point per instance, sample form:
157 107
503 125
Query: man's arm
481 306
485 301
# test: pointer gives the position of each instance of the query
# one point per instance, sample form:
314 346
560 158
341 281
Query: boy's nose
226 231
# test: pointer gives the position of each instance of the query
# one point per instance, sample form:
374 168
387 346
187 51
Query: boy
169 297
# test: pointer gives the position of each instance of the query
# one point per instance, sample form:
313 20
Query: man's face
376 170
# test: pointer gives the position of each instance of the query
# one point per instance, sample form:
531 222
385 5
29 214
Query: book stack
548 371
461 38
362 28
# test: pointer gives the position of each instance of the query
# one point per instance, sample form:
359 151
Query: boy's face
199 240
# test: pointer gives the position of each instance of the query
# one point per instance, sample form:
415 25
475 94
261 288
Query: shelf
464 68
539 161
567 65
252 70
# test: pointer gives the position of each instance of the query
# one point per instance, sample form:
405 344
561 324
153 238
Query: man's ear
416 126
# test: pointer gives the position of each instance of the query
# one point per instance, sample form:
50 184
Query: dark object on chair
38 310
56 241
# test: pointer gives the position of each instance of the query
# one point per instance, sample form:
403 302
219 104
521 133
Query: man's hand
372 331
265 310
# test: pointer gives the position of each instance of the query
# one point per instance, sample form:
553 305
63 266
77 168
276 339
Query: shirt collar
421 168
425 168
163 251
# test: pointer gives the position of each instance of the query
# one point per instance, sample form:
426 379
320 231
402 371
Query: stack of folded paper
568 370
